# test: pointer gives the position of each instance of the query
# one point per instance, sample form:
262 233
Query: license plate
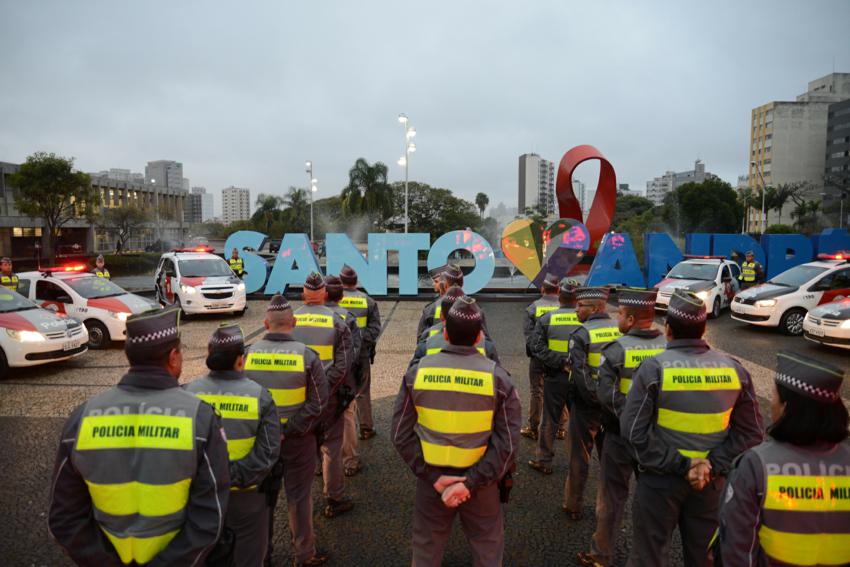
743 308
815 331
219 304
70 345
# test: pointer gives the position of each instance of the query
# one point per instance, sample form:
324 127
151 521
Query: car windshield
797 276
92 287
690 271
204 268
11 301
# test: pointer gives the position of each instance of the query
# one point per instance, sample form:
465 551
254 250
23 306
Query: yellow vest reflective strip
438 349
594 360
325 352
805 549
807 493
10 282
133 497
693 454
361 322
633 358
136 431
239 448
433 332
564 319
139 549
315 320
701 423
748 272
438 311
700 379
445 421
233 407
354 301
625 385
275 361
101 273
288 397
454 380
251 488
557 345
542 310
451 456
603 334
236 264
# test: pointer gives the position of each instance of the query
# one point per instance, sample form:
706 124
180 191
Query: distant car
784 300
714 279
829 324
162 246
101 304
274 245
198 282
30 335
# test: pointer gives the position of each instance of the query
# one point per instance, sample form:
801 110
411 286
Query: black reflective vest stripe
279 366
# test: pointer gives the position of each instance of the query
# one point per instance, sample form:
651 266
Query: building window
26 231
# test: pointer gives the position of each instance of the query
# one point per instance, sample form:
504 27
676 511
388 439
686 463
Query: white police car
714 279
101 305
30 335
829 324
198 282
784 300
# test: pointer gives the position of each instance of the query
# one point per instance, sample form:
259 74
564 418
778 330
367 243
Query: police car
198 282
714 279
829 324
784 300
30 335
100 304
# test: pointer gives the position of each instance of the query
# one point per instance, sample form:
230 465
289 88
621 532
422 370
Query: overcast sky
242 93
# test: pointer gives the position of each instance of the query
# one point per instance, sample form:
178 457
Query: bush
780 229
129 264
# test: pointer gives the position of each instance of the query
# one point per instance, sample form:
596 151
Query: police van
714 279
198 282
784 300
30 335
101 304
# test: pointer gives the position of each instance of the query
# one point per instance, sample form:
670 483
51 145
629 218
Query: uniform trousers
535 407
661 503
350 437
480 518
617 468
556 394
364 392
299 464
333 469
584 432
248 517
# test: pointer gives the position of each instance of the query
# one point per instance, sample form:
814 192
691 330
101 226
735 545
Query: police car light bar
698 257
63 269
840 255
196 249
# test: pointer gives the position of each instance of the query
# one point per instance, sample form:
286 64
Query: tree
367 191
50 189
268 210
806 213
435 210
296 216
782 194
481 201
710 206
123 221
629 206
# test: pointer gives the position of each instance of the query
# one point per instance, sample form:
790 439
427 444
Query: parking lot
34 403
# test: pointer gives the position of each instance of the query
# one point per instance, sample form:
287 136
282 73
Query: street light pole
312 189
409 147
156 208
762 220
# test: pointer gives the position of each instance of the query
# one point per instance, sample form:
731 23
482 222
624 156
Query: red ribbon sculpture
602 211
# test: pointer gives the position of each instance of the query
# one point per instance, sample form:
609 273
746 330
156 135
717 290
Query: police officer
788 500
586 344
752 272
640 340
449 276
321 329
456 424
437 339
100 268
548 301
365 309
8 278
549 344
236 263
252 427
690 411
294 376
142 470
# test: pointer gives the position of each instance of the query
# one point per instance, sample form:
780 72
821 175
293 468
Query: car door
164 281
727 287
50 295
833 285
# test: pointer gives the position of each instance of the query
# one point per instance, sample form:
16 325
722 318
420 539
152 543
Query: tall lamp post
409 148
761 178
156 208
313 189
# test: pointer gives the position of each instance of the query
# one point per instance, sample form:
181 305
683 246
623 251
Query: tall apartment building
787 141
837 167
536 184
165 173
206 203
235 204
660 187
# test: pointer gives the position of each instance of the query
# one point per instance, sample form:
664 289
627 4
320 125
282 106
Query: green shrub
129 264
780 229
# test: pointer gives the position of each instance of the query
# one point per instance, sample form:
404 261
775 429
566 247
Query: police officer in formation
456 424
236 263
8 278
295 377
252 427
641 340
323 330
100 268
586 344
752 272
548 302
549 345
368 317
142 472
689 413
787 500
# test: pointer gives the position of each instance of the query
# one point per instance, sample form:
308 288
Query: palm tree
268 209
367 191
782 194
298 209
481 201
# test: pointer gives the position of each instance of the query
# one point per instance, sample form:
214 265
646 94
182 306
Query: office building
206 203
165 173
536 184
235 204
660 187
788 141
837 166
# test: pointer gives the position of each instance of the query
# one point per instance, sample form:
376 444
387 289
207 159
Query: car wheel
792 321
715 309
4 365
98 334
